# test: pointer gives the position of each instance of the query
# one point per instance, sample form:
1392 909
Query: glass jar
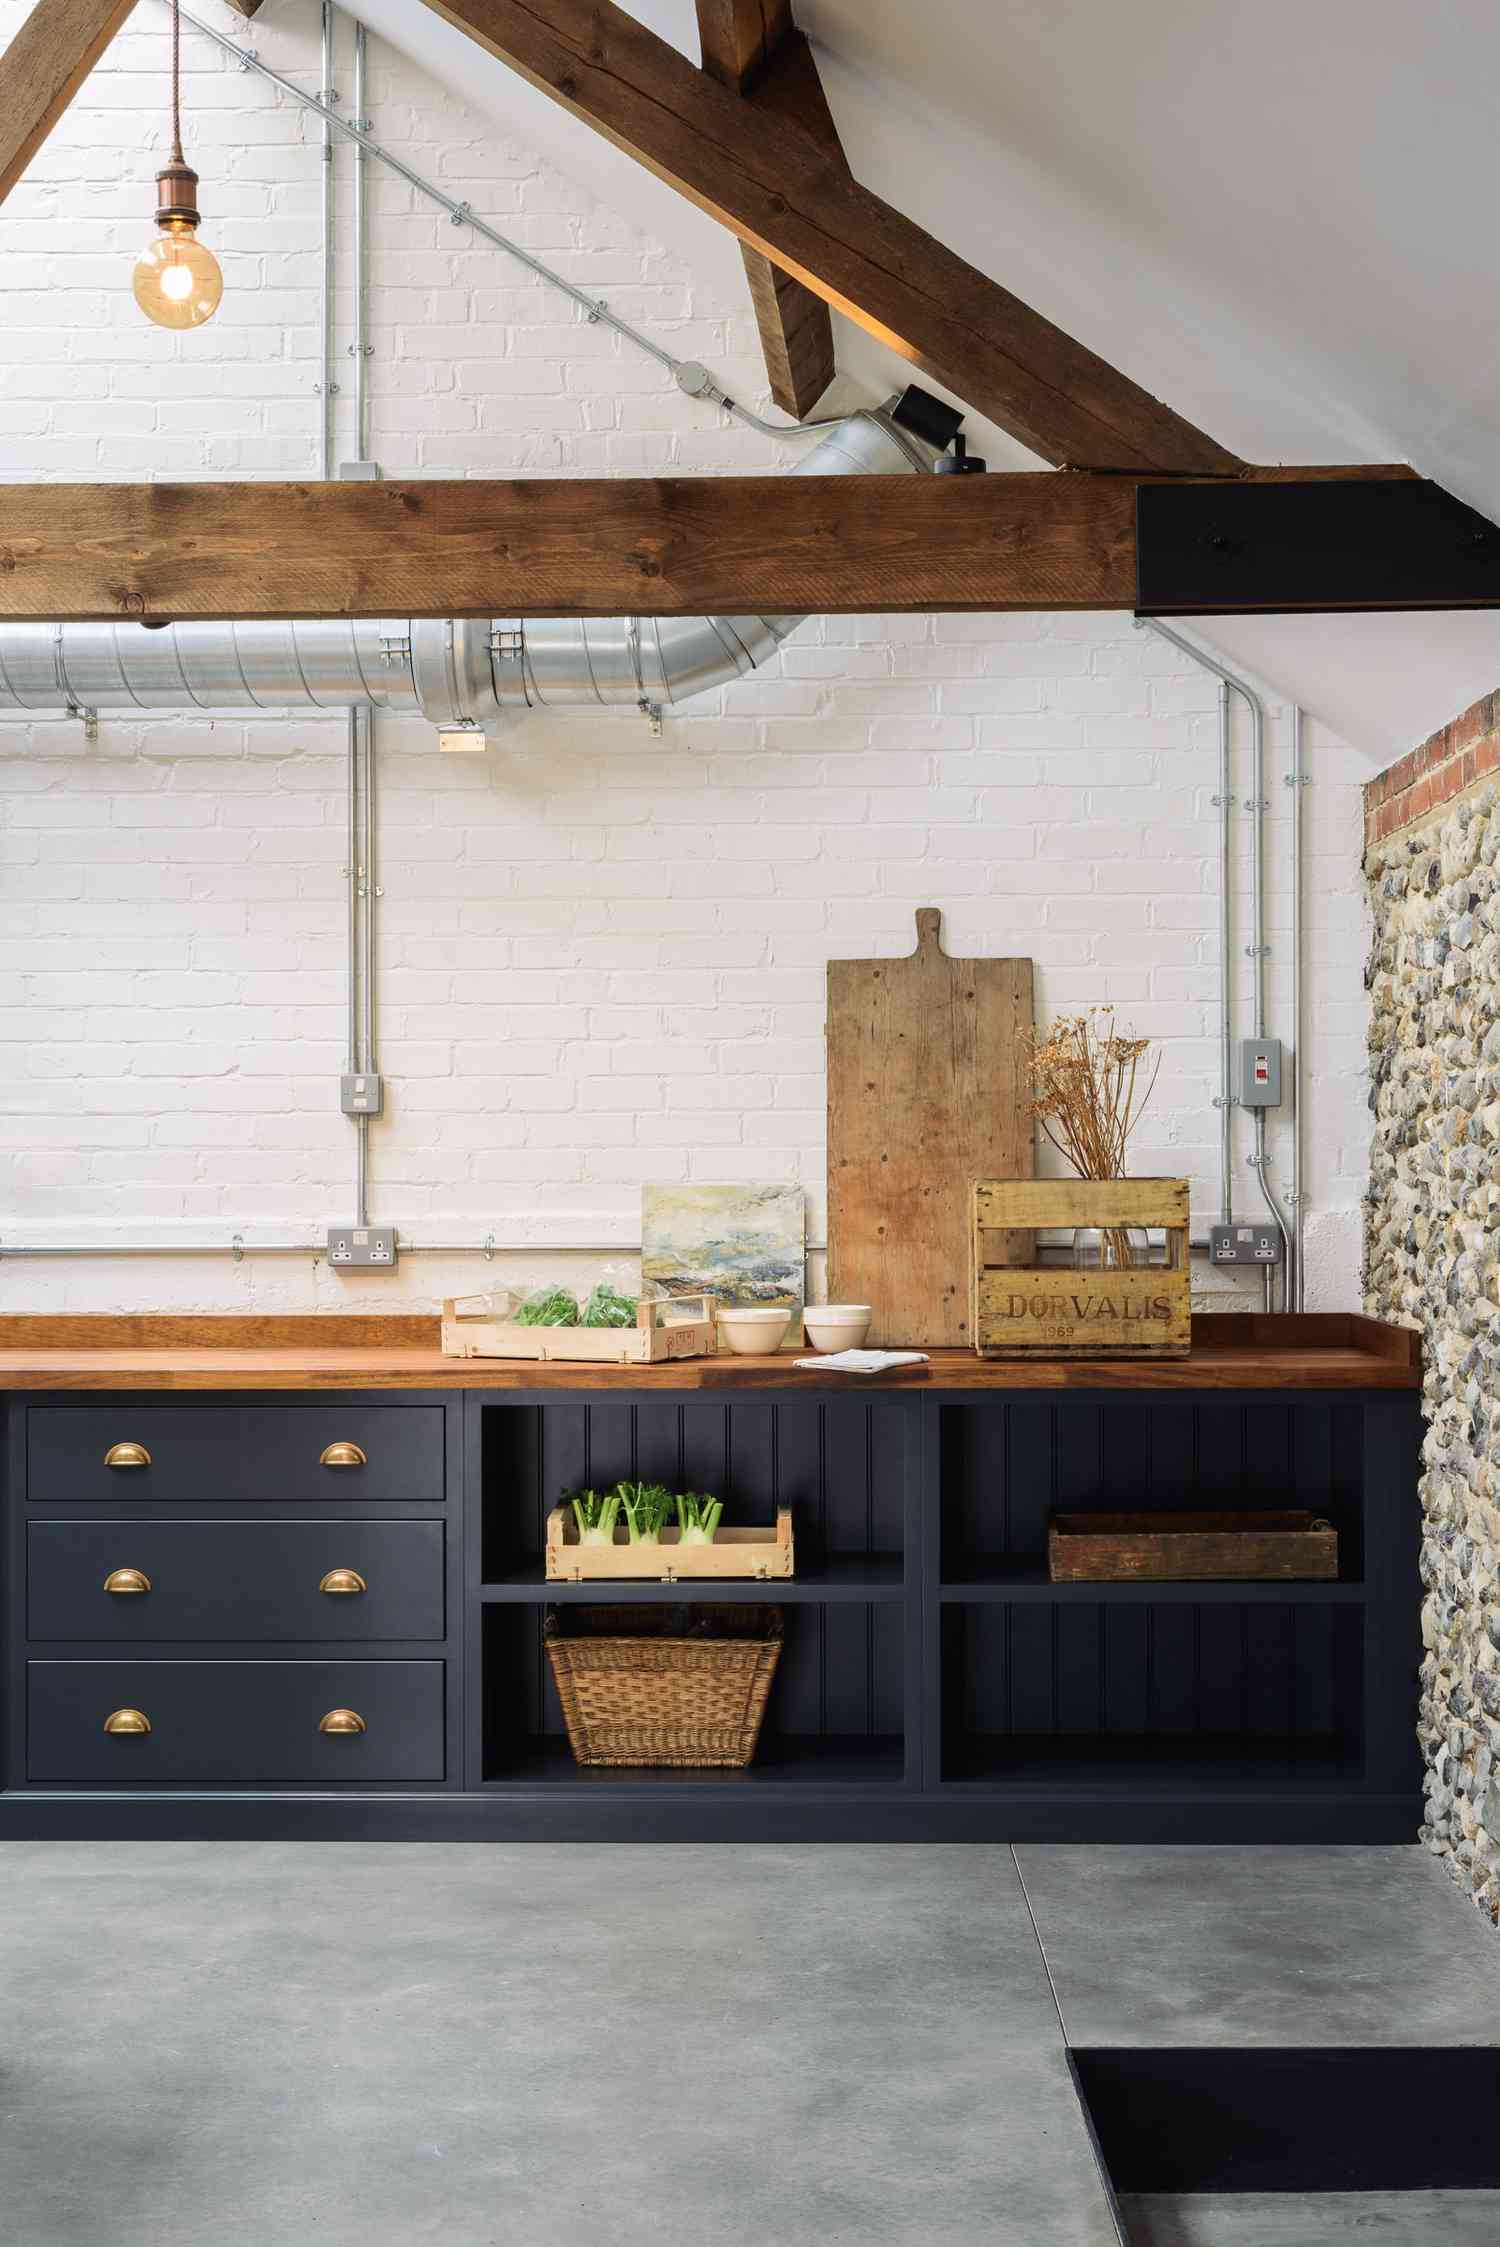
1110 1248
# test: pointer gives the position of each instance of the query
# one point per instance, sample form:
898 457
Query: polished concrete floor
365 2045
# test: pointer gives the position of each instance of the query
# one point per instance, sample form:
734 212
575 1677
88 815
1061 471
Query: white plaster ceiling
1279 218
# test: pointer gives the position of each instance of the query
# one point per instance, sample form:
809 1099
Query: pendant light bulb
177 281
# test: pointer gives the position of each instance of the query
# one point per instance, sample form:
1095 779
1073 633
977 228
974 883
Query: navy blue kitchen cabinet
275 1561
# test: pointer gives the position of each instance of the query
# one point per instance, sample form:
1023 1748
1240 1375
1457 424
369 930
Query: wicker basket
664 1685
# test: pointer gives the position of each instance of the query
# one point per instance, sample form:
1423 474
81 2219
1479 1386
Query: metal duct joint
455 671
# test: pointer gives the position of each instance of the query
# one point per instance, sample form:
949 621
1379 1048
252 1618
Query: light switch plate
363 1095
1260 1073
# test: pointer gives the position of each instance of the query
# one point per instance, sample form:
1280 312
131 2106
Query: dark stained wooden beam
739 37
42 69
752 47
780 190
566 547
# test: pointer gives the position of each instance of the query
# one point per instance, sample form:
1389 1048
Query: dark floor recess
1351 2120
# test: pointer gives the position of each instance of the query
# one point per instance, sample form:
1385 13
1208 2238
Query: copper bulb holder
177 196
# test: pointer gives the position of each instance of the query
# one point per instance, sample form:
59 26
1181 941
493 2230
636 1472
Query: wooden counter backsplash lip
1230 1351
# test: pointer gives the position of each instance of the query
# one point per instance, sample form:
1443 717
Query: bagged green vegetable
548 1306
608 1307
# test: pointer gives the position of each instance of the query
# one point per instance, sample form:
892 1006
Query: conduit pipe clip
249 57
1257 951
460 215
237 1248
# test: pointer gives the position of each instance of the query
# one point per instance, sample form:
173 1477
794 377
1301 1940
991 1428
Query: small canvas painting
746 1244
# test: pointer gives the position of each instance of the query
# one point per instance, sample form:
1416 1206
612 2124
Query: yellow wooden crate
1021 1308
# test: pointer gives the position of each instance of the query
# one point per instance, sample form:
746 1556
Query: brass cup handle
121 1721
127 1455
127 1580
342 1720
342 1455
343 1580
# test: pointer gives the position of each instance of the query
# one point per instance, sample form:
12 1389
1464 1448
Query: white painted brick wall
601 955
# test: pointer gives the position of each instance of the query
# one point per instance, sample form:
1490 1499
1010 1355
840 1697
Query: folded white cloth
863 1361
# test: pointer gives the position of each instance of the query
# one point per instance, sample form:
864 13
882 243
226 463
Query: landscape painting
744 1243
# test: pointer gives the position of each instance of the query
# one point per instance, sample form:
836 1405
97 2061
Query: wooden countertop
1319 1350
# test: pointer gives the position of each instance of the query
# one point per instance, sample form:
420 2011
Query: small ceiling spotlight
177 281
960 462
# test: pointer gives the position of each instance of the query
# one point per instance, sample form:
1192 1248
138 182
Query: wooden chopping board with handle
927 1091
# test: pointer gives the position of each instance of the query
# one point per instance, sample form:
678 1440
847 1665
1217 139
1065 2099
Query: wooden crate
1185 1547
1025 1309
679 1326
759 1553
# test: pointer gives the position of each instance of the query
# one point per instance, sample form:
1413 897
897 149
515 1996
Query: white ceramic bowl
754 1332
837 1326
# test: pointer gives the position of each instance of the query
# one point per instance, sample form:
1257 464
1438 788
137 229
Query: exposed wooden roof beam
585 547
773 185
753 48
42 69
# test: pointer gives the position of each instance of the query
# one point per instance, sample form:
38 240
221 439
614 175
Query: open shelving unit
837 1719
933 1680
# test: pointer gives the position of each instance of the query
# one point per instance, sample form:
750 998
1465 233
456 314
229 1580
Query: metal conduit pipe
1296 781
237 1248
455 671
1224 801
1256 805
325 297
360 349
1226 1056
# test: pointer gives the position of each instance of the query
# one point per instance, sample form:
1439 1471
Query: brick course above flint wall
1438 769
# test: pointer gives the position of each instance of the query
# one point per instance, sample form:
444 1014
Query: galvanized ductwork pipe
455 672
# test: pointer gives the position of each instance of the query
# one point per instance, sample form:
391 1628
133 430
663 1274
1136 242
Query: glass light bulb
177 281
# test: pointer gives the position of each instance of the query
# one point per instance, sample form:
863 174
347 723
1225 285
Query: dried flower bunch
1089 1090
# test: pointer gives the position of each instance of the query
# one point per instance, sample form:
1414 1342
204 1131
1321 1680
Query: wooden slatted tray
758 1554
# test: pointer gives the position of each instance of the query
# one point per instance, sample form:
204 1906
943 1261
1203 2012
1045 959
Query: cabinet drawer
234 1723
238 1580
152 1454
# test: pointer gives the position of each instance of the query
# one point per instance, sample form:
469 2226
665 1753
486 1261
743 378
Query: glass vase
1110 1248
